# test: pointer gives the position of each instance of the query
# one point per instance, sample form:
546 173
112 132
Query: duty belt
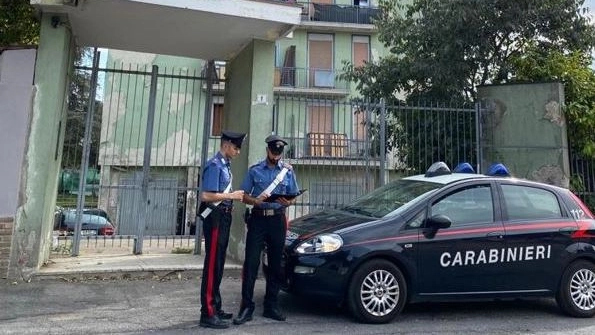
222 208
267 212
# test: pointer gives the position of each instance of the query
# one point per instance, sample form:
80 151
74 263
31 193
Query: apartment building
330 145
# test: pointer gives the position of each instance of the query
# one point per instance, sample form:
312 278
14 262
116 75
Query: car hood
323 222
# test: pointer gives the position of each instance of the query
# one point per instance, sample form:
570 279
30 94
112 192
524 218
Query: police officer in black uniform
215 211
267 225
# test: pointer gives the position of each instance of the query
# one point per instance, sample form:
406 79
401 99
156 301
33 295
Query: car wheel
377 292
576 295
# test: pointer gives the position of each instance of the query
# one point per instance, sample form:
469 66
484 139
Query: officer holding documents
215 211
266 225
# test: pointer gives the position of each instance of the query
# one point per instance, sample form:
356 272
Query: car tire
576 294
377 292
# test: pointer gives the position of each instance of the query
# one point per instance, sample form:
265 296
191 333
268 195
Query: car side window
530 203
471 204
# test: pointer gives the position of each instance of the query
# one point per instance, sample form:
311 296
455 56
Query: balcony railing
309 78
330 146
312 11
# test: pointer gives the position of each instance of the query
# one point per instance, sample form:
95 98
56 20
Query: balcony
309 80
218 77
317 148
312 11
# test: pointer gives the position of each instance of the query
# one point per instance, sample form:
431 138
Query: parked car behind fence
94 222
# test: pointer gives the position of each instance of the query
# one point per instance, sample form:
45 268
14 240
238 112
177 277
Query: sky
590 4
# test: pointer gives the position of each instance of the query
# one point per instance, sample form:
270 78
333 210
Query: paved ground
171 306
158 293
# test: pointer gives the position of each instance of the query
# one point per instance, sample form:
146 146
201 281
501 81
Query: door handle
495 235
567 230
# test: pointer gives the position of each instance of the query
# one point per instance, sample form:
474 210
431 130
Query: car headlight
320 244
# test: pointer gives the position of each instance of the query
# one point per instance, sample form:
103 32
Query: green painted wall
248 108
180 104
34 220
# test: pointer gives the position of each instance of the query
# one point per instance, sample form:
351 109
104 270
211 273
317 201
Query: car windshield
388 198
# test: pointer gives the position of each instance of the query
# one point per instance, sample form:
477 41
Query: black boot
223 315
273 313
213 322
244 315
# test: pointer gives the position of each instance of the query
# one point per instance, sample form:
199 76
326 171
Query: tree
20 26
18 23
444 49
441 50
78 100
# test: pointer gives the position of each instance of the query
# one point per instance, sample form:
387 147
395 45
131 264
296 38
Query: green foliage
18 24
442 50
78 101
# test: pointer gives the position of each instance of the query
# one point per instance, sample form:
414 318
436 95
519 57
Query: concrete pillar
248 108
43 152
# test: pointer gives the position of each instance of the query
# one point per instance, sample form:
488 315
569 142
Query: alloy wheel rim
582 289
379 293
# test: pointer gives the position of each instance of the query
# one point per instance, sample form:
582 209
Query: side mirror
431 225
438 222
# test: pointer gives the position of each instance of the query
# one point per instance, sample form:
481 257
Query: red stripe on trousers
211 270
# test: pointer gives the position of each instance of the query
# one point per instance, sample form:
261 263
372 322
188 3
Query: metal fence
144 136
582 180
343 149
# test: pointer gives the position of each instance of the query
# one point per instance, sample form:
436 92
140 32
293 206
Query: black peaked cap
233 137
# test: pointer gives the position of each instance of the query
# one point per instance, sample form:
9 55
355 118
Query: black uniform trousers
216 231
269 230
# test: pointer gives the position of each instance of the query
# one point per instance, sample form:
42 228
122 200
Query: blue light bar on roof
464 168
437 169
498 169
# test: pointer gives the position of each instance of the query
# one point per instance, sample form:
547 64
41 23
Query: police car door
538 233
458 258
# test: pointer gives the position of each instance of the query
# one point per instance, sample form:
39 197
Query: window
360 49
469 205
530 203
217 119
320 60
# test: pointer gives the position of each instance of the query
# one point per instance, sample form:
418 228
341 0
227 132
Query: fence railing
340 149
313 11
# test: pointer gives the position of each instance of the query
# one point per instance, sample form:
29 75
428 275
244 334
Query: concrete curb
131 274
121 267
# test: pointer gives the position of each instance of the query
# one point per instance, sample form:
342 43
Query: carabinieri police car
446 236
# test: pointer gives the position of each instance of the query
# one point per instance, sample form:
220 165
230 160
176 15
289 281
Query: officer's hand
263 196
237 195
283 201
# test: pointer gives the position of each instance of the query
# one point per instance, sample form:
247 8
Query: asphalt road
171 306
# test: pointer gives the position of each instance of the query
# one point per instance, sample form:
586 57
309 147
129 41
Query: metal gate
143 131
148 130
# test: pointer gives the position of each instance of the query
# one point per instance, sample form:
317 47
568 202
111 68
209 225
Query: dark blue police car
446 236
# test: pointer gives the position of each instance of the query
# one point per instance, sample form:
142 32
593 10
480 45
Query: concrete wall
524 128
16 96
43 152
